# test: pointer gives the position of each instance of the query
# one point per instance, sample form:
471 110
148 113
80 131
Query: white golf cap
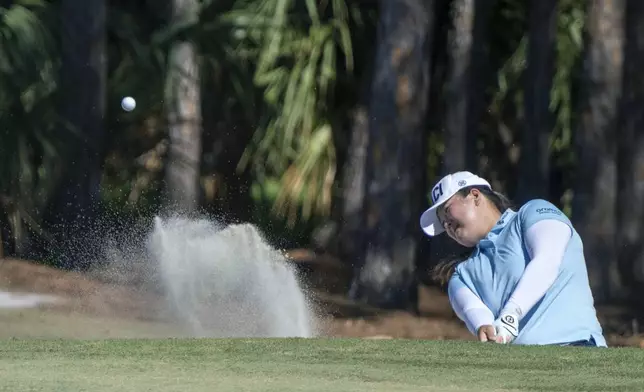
442 191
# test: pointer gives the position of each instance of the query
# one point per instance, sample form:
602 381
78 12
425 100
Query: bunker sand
95 309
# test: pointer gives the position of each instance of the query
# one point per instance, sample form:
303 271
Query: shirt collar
489 239
503 220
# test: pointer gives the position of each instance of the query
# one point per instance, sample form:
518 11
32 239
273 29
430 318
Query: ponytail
444 269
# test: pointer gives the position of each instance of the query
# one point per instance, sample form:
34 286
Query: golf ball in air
128 104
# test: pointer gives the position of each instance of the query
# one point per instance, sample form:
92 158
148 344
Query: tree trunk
630 164
83 85
396 125
596 177
353 189
183 110
534 161
467 47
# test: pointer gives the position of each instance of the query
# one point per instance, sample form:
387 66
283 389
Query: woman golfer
524 280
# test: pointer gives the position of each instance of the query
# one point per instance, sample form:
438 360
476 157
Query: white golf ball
128 104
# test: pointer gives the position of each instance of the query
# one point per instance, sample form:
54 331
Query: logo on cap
437 192
462 183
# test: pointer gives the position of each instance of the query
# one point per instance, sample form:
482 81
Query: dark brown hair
443 271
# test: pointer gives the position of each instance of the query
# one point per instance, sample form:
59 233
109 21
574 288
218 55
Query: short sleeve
538 210
454 284
455 281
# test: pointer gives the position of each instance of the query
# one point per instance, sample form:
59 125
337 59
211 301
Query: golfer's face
458 218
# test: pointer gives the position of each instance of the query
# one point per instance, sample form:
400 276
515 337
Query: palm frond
297 69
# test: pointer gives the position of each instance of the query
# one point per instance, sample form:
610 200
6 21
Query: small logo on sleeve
548 210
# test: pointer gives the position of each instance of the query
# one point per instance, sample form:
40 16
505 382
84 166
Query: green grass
327 365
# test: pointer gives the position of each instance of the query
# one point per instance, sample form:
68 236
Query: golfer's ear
476 194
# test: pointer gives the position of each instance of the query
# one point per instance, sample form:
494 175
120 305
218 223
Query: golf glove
506 327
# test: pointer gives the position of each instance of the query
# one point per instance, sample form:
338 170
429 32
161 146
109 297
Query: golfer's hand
506 327
487 333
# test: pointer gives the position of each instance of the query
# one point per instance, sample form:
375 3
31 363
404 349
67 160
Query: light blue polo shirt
566 313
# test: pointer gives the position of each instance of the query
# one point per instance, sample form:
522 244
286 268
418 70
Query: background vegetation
324 122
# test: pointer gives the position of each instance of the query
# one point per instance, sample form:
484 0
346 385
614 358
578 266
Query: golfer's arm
546 242
469 308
